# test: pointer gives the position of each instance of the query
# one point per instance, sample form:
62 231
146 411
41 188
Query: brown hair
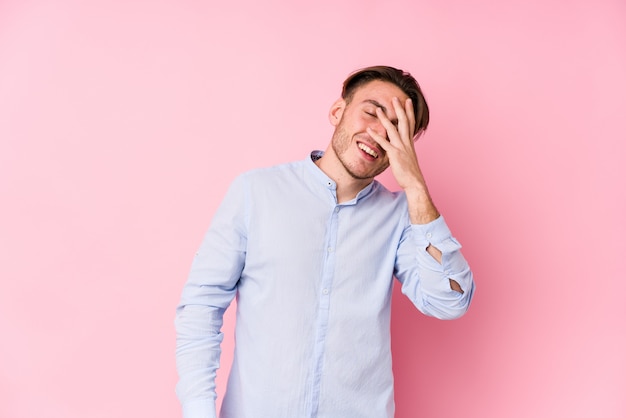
402 79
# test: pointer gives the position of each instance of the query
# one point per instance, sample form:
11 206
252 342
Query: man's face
359 154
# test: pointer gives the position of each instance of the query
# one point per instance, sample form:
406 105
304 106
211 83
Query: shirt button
330 249
429 235
337 209
325 291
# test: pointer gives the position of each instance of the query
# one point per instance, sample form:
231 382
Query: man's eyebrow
375 103
383 108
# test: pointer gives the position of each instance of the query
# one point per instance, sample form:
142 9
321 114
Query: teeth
368 150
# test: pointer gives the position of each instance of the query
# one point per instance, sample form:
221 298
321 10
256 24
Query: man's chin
366 175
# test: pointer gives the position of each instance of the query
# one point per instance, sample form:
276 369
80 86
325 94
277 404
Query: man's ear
336 111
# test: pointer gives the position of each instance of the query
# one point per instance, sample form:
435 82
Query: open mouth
367 150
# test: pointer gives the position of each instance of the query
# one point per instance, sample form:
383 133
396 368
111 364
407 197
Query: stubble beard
341 144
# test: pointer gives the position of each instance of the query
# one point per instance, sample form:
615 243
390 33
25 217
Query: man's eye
371 114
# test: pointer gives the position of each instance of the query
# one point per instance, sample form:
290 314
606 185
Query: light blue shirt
313 281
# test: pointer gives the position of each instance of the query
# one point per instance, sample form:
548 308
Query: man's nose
378 127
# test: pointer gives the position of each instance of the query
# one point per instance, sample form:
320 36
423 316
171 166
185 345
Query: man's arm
424 216
210 288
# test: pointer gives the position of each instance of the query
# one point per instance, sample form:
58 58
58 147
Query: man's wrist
422 210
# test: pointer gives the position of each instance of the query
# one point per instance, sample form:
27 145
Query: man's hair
402 79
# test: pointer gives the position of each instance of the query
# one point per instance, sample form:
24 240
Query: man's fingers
380 140
410 114
403 127
392 132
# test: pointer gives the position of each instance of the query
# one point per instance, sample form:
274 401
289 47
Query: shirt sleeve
425 281
210 288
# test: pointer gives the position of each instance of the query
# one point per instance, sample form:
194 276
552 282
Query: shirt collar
329 183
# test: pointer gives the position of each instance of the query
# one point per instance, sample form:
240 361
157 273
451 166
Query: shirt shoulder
383 195
272 180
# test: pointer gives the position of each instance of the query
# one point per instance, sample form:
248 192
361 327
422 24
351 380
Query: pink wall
122 123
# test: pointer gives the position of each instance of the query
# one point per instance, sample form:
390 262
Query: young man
310 249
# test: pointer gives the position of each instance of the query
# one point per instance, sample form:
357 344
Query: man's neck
348 187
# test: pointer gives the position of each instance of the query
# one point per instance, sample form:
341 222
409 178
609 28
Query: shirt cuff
435 233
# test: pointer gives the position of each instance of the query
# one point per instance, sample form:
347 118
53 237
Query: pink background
123 122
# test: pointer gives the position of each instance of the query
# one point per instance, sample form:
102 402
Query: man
310 249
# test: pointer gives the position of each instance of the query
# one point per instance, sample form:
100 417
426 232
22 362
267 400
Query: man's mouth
367 150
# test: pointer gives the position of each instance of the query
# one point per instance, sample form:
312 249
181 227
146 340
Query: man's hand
400 149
